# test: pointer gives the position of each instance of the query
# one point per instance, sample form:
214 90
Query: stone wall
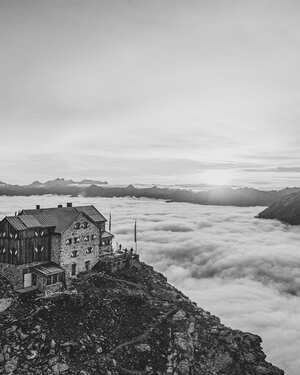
12 274
54 288
117 262
81 247
15 273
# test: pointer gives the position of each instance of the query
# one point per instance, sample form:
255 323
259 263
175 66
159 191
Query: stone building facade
45 248
80 247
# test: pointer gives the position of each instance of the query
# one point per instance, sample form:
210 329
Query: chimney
37 207
59 206
69 204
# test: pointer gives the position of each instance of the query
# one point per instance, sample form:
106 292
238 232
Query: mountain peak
132 322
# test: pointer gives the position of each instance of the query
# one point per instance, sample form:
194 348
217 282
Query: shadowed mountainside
224 196
130 323
286 209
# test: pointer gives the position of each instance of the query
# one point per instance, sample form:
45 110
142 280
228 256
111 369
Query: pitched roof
23 222
48 269
106 235
62 217
30 221
92 213
15 222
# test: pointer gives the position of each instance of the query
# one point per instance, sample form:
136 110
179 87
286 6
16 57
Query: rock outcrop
286 209
130 323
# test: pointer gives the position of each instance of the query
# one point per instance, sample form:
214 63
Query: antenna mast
135 237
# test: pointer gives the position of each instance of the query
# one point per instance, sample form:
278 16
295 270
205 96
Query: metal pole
135 237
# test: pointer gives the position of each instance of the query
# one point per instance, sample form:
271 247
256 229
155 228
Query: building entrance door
27 280
73 271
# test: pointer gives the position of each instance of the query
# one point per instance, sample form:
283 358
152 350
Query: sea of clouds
242 269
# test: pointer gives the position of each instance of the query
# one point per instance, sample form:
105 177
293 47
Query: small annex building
44 248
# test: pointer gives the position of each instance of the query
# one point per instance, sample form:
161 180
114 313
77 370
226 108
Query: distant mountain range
58 182
242 197
58 186
224 196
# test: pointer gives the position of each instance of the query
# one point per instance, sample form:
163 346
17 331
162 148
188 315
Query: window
61 277
87 265
89 250
54 279
74 253
84 225
35 255
76 239
77 225
93 237
73 271
86 238
68 241
34 279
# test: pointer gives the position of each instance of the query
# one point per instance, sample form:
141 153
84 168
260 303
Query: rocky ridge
286 209
134 322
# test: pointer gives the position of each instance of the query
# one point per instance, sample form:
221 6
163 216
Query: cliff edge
286 209
130 323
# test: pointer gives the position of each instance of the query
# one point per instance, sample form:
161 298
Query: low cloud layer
245 270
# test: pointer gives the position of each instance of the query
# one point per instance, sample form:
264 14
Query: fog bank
245 270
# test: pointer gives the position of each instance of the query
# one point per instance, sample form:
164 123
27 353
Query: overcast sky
150 91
